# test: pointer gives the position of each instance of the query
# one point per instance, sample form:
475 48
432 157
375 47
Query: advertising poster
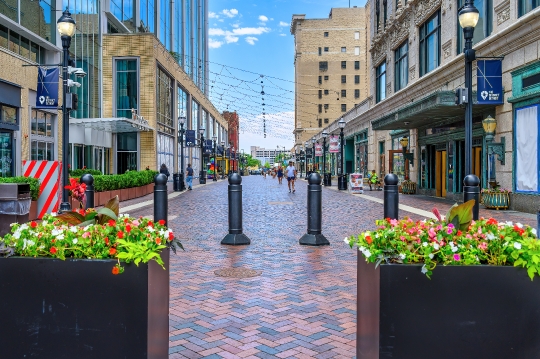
356 183
489 82
318 150
47 88
334 144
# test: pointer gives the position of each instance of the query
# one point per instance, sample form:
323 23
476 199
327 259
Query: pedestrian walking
280 174
291 176
189 177
164 170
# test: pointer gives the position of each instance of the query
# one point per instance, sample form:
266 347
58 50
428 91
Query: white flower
150 229
23 227
367 233
367 253
12 224
517 245
346 240
56 232
17 234
42 247
124 215
490 236
31 243
454 249
88 227
362 249
510 223
424 269
60 237
519 225
402 256
436 246
53 214
424 244
533 231
25 242
162 232
431 256
73 229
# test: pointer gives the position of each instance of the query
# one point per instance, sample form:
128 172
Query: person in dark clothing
189 177
164 170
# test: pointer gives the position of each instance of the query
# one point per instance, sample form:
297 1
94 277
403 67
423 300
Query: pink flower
482 246
86 234
135 223
439 227
403 238
450 225
457 257
432 233
449 230
394 222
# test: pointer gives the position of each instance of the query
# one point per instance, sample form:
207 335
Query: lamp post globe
66 28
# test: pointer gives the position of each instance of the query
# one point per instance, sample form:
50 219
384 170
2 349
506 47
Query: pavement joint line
403 207
172 195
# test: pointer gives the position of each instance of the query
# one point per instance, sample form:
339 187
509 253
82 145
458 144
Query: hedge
129 179
33 182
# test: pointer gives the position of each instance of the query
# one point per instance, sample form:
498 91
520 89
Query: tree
253 162
267 165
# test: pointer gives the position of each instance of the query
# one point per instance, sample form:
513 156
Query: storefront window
6 154
126 154
527 151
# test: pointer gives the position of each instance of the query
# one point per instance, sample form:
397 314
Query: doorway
397 165
440 173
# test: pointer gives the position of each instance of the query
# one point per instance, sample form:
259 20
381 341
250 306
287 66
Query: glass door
98 159
6 154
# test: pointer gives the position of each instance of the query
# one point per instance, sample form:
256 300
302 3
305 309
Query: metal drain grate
237 272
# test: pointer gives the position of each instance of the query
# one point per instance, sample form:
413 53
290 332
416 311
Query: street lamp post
468 18
324 135
215 159
182 121
313 154
342 179
223 154
66 28
202 179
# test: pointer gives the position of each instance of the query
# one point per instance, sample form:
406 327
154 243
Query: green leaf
464 214
87 223
531 271
114 205
106 214
73 218
448 218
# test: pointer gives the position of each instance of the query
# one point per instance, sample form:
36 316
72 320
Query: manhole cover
238 272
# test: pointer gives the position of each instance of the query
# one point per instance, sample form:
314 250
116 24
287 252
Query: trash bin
202 177
15 203
327 179
241 172
176 182
342 182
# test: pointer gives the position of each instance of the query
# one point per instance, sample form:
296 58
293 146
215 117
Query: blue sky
252 38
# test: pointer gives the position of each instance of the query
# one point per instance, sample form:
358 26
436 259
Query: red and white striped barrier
48 173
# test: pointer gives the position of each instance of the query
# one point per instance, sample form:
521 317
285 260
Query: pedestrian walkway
273 298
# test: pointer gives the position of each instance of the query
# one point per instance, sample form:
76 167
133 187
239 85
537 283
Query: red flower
115 270
369 240
126 220
52 250
112 251
120 234
112 222
128 228
158 240
491 221
519 230
106 240
151 224
161 222
459 233
171 236
33 224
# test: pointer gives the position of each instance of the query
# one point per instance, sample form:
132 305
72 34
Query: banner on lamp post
318 150
489 82
334 144
190 138
47 88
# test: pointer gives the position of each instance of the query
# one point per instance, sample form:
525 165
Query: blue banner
208 147
489 82
47 88
190 138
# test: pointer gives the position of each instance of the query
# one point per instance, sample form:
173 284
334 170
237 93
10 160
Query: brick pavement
303 305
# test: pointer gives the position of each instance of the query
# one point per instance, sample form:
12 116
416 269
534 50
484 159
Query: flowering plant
97 235
77 191
432 242
496 188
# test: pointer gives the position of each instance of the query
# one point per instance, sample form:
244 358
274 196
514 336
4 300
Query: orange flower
106 240
112 251
369 240
158 240
52 250
115 270
33 224
161 222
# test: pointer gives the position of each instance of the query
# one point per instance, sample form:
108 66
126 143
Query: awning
428 110
113 125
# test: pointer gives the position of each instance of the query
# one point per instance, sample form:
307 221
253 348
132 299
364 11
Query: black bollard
181 182
176 182
391 196
471 190
88 180
235 236
342 182
314 236
160 198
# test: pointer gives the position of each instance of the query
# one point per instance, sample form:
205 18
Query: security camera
72 83
80 73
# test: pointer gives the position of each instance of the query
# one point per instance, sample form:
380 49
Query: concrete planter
33 211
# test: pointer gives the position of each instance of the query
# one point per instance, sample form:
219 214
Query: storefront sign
190 138
334 144
356 183
489 80
47 88
318 150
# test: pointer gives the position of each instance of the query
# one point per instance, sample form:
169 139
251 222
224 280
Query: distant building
265 155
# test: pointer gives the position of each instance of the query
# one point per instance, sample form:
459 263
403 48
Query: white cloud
251 30
283 23
282 35
236 26
214 44
216 32
230 13
251 40
213 15
230 38
263 18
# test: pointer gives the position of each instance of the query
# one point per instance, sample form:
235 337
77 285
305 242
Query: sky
251 64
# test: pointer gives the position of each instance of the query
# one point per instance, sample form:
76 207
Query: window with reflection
165 91
401 68
42 141
380 84
127 87
483 28
430 44
525 6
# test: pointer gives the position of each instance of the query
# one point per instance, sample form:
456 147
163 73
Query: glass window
325 120
357 65
401 68
320 51
343 79
357 35
326 34
7 155
326 92
326 78
195 117
36 16
356 93
527 149
165 102
42 147
320 79
320 93
343 64
483 27
343 107
3 37
326 49
323 65
320 108
356 79
10 9
430 44
165 23
381 82
182 103
524 6
343 49
343 93
8 115
14 42
127 89
357 50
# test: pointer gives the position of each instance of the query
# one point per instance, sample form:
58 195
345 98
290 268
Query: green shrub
80 172
33 182
129 179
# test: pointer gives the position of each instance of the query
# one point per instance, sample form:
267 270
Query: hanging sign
309 152
318 150
489 82
356 183
47 88
334 144
190 138
208 147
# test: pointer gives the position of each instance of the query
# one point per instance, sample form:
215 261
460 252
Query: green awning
431 109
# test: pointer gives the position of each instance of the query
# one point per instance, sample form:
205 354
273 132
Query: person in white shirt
291 176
